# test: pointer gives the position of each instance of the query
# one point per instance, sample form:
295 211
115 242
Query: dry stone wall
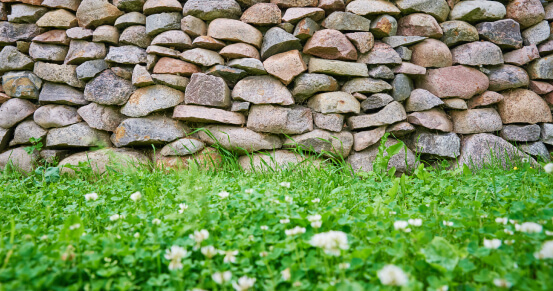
452 79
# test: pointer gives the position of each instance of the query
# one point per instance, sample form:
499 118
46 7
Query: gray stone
541 69
23 84
476 121
380 54
365 85
54 156
346 21
14 111
93 13
275 161
130 19
239 139
323 142
410 69
158 23
401 87
419 24
306 28
456 32
202 57
162 51
173 81
235 31
25 131
77 135
12 32
193 113
81 51
262 90
280 120
536 34
435 119
334 102
229 74
5 135
49 116
100 161
157 6
547 133
437 8
364 139
331 122
79 33
129 5
442 145
91 69
477 54
47 52
391 113
12 60
108 89
480 150
338 68
400 129
521 133
128 55
307 85
240 107
402 40
250 65
504 33
372 7
211 9
106 34
193 26
537 150
276 41
381 72
58 74
404 161
295 14
155 129
101 117
208 91
61 94
150 99
19 159
135 36
376 101
421 100
506 77
455 103
182 147
173 38
478 11
141 77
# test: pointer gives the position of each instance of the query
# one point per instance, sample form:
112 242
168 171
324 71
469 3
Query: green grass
51 238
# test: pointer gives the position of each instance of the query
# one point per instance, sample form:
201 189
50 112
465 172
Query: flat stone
202 57
25 131
306 28
521 133
540 88
135 36
456 81
229 74
541 69
381 72
129 5
130 19
154 129
400 129
262 14
49 116
61 94
330 44
384 26
12 59
262 90
435 119
23 84
338 68
322 142
399 40
79 33
106 34
276 40
91 69
536 150
14 111
295 3
401 87
485 99
193 26
243 107
404 161
182 147
100 160
23 13
372 7
457 32
363 41
506 77
421 100
77 135
478 11
476 120
376 101
208 91
235 30
346 21
365 85
12 32
547 133
212 9
161 22
101 117
173 81
61 19
128 55
480 150
208 42
391 113
525 12
294 15
536 34
437 8
442 145
275 161
108 89
280 120
201 114
330 6
141 77
410 69
150 99
167 65
52 37
477 54
3 11
47 52
238 51
239 139
159 6
93 13
419 24
81 51
285 66
19 159
504 33
250 65
522 56
334 102
455 103
330 122
307 85
58 74
365 139
380 54
523 106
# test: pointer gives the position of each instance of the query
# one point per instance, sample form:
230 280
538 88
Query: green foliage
53 238
36 145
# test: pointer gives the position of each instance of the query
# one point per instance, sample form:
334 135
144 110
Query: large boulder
99 161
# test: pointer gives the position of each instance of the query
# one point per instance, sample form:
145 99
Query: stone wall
452 79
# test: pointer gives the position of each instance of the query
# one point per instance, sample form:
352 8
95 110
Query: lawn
300 229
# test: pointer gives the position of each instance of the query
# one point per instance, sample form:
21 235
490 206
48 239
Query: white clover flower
289 199
136 196
90 196
44 237
484 216
492 243
230 256
275 201
294 231
502 220
316 224
286 275
75 226
222 278
401 225
209 251
546 251
285 221
392 275
263 254
297 284
136 235
332 242
509 241
316 200
249 191
508 231
182 207
223 194
175 255
344 266
512 221
313 218
447 223
199 236
548 233
443 288
264 227
548 168
502 283
415 222
529 227
156 221
251 237
114 217
393 213
244 283
285 184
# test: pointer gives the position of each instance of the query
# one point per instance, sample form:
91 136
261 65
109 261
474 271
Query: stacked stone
452 79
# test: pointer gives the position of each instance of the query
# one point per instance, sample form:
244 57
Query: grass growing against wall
303 229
